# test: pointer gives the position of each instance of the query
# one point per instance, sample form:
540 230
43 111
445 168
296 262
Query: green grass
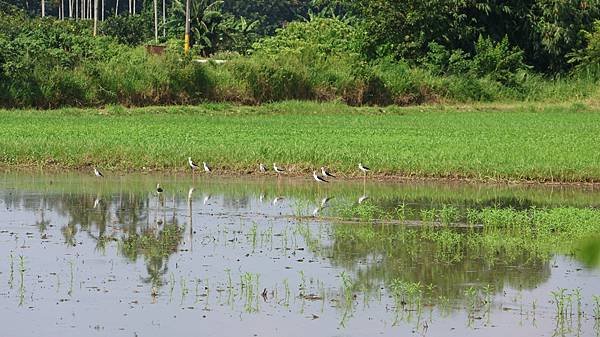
524 142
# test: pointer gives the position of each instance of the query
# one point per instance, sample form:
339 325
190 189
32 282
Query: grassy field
522 142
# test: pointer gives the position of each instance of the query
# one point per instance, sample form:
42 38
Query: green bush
499 61
132 30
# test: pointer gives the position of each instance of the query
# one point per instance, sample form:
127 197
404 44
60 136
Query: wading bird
262 167
159 189
363 199
98 173
363 168
277 168
206 167
318 178
326 173
193 165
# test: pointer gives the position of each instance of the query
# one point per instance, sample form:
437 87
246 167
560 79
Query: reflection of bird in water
190 192
363 199
325 200
206 199
96 202
277 200
261 197
316 211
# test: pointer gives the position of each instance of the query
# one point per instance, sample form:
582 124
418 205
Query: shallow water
246 257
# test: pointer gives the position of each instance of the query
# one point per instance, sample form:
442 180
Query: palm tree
205 17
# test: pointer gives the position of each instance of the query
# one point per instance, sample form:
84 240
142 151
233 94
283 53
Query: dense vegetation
359 52
554 143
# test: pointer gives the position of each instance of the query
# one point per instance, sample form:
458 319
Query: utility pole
186 46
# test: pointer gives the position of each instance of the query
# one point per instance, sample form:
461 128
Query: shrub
499 61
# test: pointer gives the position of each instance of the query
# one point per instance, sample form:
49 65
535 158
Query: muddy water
261 257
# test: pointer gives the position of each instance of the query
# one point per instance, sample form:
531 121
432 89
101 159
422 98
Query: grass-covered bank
529 142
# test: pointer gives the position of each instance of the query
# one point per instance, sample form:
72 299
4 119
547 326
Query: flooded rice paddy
275 257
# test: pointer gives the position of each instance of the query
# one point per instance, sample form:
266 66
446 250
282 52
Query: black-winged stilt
159 189
318 178
206 167
98 173
362 199
193 165
277 168
326 173
363 168
262 167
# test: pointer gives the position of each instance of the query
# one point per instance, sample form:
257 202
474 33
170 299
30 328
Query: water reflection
295 226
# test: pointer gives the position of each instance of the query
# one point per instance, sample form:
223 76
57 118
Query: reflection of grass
151 244
448 255
538 231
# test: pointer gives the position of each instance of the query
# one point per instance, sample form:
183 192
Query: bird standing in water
98 173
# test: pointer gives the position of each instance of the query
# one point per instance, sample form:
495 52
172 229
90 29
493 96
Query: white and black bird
206 167
326 173
262 167
363 168
159 189
318 178
363 199
193 165
277 168
277 200
98 173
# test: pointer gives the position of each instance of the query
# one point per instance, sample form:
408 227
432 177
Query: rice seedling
22 279
72 277
11 275
473 142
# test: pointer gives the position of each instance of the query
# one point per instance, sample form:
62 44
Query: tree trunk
71 9
133 7
155 21
117 8
164 23
102 16
95 17
129 6
76 9
43 8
